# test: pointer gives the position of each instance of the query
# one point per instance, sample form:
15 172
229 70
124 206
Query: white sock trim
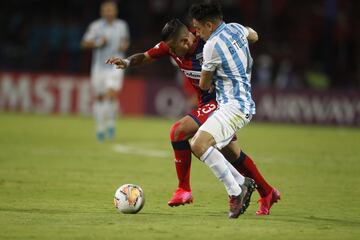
207 153
214 159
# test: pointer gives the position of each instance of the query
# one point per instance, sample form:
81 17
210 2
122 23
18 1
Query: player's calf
179 133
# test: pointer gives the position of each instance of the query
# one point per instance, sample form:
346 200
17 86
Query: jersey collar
218 30
106 23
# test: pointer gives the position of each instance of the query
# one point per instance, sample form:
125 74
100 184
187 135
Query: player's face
203 30
183 45
108 11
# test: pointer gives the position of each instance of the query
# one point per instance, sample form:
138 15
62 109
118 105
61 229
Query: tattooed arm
135 60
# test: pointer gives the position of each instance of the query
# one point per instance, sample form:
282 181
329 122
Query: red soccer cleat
180 197
267 202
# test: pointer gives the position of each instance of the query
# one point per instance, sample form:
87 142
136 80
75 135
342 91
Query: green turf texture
57 182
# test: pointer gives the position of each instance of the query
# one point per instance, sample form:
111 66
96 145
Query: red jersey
190 65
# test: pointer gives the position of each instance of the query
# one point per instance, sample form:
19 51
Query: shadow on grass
311 220
187 214
35 210
334 221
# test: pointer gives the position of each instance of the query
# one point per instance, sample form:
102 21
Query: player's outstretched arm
253 36
135 60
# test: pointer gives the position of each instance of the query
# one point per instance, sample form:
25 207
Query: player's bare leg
180 132
99 109
238 188
111 112
243 163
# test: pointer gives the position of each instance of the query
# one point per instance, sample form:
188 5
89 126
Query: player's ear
209 25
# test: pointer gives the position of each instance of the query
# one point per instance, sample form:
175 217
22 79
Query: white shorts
102 81
224 123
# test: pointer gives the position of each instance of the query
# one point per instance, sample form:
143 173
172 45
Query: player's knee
100 97
111 94
198 147
178 132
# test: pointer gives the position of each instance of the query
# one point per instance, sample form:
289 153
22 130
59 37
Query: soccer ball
129 198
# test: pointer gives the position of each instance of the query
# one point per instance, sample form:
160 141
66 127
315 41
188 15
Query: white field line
138 150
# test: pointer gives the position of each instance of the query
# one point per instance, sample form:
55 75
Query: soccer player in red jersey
186 48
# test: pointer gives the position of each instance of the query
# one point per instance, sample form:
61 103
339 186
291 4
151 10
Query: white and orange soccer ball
129 198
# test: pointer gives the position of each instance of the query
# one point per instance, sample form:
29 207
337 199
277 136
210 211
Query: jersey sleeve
211 58
158 51
242 29
91 32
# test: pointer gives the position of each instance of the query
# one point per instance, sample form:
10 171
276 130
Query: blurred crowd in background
303 43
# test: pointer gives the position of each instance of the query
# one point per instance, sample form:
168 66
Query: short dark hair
172 30
209 10
109 1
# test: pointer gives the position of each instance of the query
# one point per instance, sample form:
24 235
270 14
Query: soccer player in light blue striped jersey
227 66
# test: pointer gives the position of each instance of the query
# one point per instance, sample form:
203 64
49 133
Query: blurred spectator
263 73
316 78
286 77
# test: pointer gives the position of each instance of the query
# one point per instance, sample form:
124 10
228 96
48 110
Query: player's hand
103 41
100 42
120 63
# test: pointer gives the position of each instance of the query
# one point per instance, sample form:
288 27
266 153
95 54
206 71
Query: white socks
217 163
104 114
99 115
110 113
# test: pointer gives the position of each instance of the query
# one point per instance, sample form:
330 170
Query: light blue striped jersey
227 54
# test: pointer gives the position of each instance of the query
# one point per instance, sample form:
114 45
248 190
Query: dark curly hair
206 11
172 29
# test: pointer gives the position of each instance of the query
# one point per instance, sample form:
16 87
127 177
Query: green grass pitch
57 182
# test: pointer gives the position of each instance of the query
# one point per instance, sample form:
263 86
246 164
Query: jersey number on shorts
206 109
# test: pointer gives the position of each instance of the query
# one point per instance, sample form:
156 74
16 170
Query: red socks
247 167
243 164
182 153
